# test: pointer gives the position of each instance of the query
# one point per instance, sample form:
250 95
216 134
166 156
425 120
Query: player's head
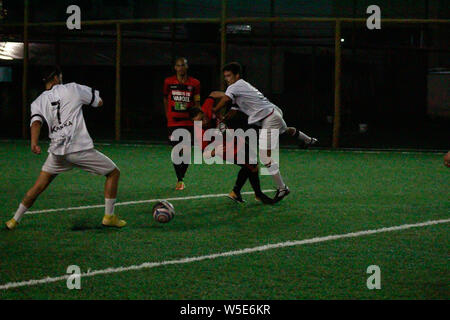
232 72
181 66
196 114
51 75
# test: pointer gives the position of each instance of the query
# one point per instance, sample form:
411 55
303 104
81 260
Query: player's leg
307 140
185 166
242 177
256 186
96 162
42 182
180 169
278 121
268 142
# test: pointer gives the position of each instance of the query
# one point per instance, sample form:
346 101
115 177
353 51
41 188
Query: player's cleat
312 142
306 145
180 185
264 199
235 197
11 224
113 221
281 193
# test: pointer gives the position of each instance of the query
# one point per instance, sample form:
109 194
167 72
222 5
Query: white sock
304 137
109 206
20 212
274 170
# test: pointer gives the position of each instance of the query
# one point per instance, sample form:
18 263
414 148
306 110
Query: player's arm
222 103
217 94
197 95
35 132
88 96
197 101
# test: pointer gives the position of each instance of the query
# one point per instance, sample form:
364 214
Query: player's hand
36 149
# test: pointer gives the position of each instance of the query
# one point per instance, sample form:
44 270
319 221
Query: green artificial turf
331 193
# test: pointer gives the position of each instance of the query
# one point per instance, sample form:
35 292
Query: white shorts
267 139
89 160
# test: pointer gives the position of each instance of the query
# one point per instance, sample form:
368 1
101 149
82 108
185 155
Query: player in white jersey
60 106
260 111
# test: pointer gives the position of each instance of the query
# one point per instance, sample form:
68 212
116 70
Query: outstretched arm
217 94
35 132
222 103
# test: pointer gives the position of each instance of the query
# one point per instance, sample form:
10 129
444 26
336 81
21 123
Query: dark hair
234 67
193 112
180 58
49 72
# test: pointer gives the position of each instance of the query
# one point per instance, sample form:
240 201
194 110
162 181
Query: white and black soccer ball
163 211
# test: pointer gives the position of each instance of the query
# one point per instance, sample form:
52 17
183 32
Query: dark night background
395 79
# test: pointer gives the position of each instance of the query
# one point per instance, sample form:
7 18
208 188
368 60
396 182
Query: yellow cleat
235 197
113 221
11 224
180 185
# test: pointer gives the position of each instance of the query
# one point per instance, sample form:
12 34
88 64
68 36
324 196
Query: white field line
127 203
376 151
148 265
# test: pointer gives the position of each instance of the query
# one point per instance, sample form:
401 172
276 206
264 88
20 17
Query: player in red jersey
181 92
248 170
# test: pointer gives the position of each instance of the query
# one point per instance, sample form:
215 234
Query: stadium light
3 57
11 50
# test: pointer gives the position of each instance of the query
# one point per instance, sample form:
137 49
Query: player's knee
291 131
114 174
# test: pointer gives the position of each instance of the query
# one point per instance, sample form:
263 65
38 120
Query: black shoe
236 197
281 193
264 199
312 142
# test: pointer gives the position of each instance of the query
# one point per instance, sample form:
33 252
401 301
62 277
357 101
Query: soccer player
447 160
248 171
60 106
181 92
260 111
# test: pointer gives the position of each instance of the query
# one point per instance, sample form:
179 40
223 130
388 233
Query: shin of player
71 146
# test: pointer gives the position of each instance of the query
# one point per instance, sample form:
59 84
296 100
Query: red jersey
238 142
180 97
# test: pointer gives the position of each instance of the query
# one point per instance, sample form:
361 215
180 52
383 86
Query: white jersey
249 100
61 108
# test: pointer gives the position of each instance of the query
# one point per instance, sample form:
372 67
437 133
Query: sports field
345 194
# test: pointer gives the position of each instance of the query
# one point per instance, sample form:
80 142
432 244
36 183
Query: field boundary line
148 265
127 203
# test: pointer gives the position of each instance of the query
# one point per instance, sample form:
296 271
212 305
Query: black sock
254 181
184 167
241 179
179 171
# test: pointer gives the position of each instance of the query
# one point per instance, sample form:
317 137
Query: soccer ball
163 211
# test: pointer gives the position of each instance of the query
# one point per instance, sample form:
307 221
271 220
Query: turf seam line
126 203
148 265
